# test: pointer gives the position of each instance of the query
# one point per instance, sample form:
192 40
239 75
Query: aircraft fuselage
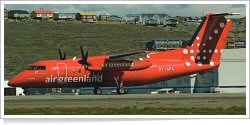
69 73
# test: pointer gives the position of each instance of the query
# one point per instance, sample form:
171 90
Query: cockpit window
31 68
41 68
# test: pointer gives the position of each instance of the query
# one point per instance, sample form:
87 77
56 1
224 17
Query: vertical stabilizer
209 40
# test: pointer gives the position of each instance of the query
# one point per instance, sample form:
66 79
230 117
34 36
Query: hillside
26 42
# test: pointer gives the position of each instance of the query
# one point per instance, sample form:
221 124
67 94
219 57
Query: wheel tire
97 91
26 93
121 90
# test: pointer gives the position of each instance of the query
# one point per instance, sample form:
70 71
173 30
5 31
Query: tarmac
129 100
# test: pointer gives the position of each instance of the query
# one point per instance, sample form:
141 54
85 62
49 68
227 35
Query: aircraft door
62 70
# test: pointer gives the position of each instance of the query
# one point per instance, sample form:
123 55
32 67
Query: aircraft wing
116 63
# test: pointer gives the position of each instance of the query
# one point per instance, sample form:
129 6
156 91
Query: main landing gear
97 91
120 90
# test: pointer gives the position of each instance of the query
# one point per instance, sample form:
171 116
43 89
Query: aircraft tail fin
209 39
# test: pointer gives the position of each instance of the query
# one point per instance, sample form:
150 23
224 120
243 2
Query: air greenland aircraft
203 53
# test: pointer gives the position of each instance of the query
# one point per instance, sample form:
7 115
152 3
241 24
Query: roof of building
87 13
103 14
19 11
43 11
115 16
150 15
163 15
133 15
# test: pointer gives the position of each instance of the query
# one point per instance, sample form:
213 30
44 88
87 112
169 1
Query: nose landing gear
26 91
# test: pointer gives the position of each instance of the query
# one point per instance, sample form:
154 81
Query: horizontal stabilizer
225 14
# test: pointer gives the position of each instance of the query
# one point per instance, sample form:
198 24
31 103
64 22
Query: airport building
163 45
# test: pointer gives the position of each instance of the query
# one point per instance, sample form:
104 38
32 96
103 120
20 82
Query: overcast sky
123 9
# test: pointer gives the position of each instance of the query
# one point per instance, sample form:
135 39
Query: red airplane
202 54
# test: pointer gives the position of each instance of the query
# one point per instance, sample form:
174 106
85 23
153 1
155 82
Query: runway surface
127 104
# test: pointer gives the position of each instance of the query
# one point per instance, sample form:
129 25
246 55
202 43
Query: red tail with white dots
209 40
207 43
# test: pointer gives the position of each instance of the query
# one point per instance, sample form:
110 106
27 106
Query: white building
232 72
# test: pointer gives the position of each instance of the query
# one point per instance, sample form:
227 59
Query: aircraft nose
16 81
9 83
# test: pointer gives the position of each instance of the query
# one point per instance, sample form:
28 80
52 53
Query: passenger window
79 70
41 68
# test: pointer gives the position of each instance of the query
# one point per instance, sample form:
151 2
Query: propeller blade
64 56
60 54
86 58
82 52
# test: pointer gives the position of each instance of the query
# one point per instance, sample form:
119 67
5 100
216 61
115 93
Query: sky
123 9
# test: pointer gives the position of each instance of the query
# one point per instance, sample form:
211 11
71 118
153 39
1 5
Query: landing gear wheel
97 91
26 92
120 90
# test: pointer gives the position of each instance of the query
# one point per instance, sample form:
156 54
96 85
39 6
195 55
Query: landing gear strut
26 91
120 90
97 91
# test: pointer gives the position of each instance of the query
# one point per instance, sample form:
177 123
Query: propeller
62 57
84 56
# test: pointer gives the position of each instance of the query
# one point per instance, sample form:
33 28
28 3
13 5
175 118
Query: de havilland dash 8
202 54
